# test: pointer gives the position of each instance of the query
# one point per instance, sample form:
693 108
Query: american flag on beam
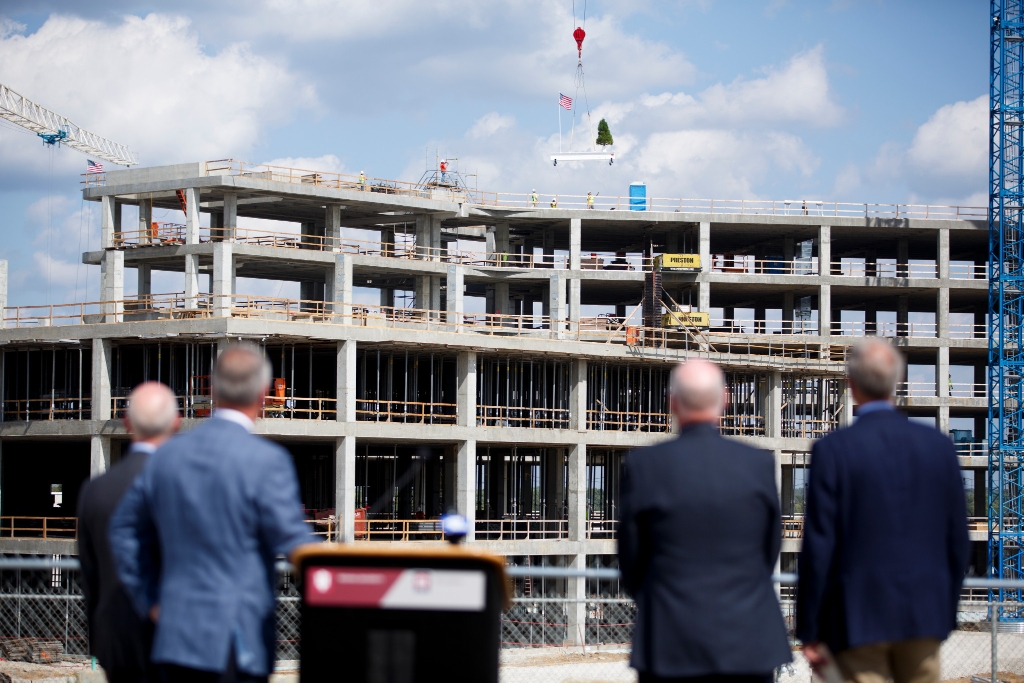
93 167
565 101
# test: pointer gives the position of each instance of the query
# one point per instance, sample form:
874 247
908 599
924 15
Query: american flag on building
93 167
565 101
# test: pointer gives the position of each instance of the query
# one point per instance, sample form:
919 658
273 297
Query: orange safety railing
55 408
521 529
602 528
411 412
522 416
599 419
399 530
762 207
39 527
793 527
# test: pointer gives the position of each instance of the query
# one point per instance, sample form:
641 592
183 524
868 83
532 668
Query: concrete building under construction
451 348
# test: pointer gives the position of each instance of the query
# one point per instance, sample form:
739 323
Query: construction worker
534 199
362 181
554 202
590 200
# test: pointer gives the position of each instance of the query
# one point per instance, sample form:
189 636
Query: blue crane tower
1006 296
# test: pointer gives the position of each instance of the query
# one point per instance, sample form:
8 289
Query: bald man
885 543
118 637
699 536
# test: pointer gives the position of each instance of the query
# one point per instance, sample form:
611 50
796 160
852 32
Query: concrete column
342 288
223 278
578 395
902 257
942 313
942 372
346 381
501 238
824 310
99 455
145 220
465 484
501 306
846 417
387 241
435 242
824 251
575 240
577 492
703 285
144 282
903 316
192 215
773 406
576 589
345 487
108 209
333 229
465 401
942 254
422 238
230 216
191 281
455 286
100 379
112 286
435 294
548 246
490 243
556 303
574 303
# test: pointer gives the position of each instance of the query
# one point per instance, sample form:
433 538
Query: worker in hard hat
362 180
534 199
590 200
554 202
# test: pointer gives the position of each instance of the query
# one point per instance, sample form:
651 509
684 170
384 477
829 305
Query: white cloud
946 162
954 141
797 93
147 83
489 124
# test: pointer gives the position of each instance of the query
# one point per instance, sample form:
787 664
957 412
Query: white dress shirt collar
233 415
142 447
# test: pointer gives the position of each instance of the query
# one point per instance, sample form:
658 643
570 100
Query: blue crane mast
1006 296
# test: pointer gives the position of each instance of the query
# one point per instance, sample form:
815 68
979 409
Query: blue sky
848 101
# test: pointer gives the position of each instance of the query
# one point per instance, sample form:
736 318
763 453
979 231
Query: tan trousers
905 661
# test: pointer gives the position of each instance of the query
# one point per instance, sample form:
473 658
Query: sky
841 100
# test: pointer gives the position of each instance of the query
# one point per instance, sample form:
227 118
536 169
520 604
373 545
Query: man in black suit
699 537
885 543
117 636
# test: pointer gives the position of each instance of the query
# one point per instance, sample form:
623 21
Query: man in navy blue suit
221 504
885 544
698 540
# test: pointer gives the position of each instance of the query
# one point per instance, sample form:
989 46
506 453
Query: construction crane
55 129
1006 299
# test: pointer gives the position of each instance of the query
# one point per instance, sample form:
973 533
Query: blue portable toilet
638 196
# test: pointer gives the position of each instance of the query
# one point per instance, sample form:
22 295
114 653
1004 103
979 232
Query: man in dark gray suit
222 504
119 638
699 537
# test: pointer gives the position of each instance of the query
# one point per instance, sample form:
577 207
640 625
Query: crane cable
578 80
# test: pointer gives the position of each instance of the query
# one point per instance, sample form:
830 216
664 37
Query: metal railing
745 264
507 529
522 416
406 412
39 527
30 409
784 207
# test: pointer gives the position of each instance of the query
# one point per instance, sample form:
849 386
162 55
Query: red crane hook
579 34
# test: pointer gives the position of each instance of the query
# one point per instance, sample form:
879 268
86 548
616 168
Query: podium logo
322 580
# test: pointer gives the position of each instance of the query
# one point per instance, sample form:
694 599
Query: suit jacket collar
699 428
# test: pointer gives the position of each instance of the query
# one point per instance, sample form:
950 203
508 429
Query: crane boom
53 128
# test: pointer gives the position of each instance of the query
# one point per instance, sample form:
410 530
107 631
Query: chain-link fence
549 639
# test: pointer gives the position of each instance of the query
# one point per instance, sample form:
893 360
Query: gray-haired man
223 504
119 638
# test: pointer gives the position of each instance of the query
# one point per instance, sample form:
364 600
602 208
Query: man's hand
154 613
814 654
